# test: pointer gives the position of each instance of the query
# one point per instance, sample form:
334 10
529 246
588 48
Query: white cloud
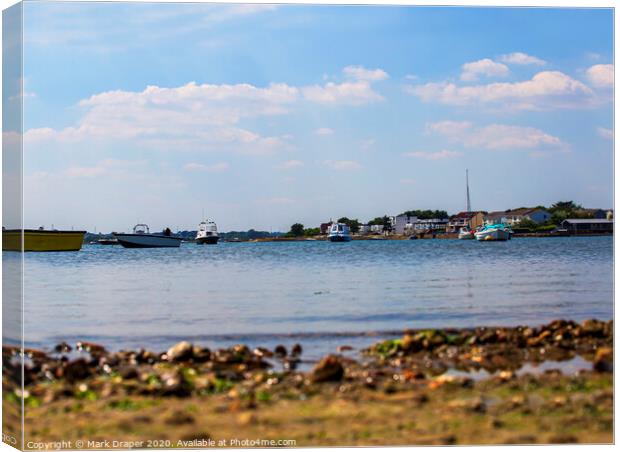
546 90
214 168
357 91
347 93
342 165
495 136
324 131
605 133
438 155
361 73
107 167
186 117
290 164
197 117
601 75
521 59
449 128
489 68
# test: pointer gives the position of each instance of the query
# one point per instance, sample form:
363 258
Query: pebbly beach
550 383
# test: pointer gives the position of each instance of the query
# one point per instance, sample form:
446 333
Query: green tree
565 206
297 230
383 221
312 232
426 214
562 210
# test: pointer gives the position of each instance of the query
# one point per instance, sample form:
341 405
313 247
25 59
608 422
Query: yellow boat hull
41 240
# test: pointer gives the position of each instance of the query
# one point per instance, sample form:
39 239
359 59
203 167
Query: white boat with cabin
339 232
493 232
142 238
207 233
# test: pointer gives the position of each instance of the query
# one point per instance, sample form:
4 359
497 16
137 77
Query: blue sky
262 116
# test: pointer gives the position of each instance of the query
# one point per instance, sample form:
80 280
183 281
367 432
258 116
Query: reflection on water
232 291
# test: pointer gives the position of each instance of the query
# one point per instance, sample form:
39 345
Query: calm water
256 292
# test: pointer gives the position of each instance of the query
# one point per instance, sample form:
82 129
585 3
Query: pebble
280 351
63 347
328 369
76 370
183 351
603 361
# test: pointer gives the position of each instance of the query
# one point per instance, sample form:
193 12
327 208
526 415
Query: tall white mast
467 184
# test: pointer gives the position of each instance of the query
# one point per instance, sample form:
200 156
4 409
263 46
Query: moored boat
339 232
207 233
466 232
142 238
41 240
493 232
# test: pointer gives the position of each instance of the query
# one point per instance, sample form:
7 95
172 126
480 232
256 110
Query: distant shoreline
450 236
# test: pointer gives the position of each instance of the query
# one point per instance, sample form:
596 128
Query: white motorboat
207 233
142 238
339 232
493 232
466 233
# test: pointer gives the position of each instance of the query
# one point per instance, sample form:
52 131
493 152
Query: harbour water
317 293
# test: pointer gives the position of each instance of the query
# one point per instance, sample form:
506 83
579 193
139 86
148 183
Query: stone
280 351
412 344
92 348
603 361
128 372
76 370
146 357
262 352
201 354
183 351
328 369
593 328
173 384
63 347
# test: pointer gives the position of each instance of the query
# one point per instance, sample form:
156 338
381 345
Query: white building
404 224
364 229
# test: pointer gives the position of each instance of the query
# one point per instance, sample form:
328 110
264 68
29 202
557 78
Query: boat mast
467 184
468 200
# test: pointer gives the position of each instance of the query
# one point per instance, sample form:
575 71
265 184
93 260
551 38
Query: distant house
376 228
431 224
324 228
403 223
599 214
513 217
576 226
461 219
364 229
495 217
